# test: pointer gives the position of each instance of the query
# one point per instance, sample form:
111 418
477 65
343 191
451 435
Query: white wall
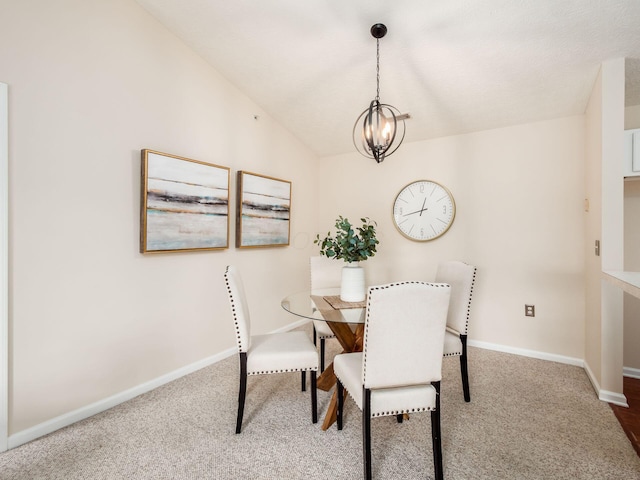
91 84
519 193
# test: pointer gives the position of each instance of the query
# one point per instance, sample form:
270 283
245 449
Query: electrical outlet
530 310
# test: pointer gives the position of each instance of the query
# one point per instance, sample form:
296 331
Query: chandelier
379 130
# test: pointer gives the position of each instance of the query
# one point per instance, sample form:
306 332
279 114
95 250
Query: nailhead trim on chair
366 323
233 310
466 325
325 337
473 282
263 372
400 412
454 354
395 412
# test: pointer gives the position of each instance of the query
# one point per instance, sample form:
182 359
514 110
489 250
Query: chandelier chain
377 69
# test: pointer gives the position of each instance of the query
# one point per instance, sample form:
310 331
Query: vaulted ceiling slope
455 66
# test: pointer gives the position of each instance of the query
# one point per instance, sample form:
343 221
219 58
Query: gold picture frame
184 204
263 214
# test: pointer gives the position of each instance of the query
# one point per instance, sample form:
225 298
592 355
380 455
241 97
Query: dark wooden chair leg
366 432
340 394
304 380
321 355
314 397
436 435
242 392
464 370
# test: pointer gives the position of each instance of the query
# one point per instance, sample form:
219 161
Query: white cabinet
632 153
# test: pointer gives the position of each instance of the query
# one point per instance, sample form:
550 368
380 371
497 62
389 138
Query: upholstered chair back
239 308
461 277
325 272
404 334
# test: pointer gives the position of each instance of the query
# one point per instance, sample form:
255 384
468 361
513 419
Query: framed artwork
263 213
184 205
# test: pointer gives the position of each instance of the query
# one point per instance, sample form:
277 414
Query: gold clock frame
453 216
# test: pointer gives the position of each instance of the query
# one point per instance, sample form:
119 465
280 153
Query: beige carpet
528 419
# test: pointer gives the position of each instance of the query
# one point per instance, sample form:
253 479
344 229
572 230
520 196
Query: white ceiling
455 66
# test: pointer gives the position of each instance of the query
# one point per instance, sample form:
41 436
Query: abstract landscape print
264 207
185 204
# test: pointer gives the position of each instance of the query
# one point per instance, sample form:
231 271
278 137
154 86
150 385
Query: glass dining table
346 320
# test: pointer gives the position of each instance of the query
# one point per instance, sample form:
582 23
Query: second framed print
263 213
185 204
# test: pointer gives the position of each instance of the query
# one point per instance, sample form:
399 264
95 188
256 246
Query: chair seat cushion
322 329
452 344
384 401
281 352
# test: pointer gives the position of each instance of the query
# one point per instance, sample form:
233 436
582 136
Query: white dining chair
400 367
325 273
461 277
269 353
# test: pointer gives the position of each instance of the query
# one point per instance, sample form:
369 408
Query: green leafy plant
347 245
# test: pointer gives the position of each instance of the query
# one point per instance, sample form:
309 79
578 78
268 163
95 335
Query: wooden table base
351 342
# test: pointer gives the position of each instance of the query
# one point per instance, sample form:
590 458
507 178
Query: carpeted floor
528 419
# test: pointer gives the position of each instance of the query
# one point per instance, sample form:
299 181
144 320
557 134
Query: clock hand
423 204
418 211
411 213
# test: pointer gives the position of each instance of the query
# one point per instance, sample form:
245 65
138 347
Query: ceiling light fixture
379 126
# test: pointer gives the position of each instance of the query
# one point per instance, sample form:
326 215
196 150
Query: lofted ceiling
455 66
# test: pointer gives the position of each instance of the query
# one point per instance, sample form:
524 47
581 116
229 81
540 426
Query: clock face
423 210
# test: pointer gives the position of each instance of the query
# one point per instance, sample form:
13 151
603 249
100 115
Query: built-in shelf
632 152
627 281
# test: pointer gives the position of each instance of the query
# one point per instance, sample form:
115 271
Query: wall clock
423 210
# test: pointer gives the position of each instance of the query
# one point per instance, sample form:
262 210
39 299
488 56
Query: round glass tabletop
324 305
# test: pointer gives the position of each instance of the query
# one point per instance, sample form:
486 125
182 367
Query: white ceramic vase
352 288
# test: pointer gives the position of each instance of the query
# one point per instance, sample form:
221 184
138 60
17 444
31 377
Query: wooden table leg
332 412
327 379
351 342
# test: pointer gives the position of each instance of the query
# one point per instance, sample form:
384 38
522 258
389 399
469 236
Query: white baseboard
613 397
592 378
67 419
605 395
577 362
631 372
